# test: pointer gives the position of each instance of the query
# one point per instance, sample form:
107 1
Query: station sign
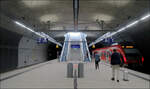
109 40
75 46
42 40
128 47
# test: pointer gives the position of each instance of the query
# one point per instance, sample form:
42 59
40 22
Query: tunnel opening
9 42
53 51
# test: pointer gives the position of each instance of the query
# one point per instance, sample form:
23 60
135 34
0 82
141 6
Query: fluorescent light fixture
145 17
135 22
20 24
113 34
37 33
41 34
121 29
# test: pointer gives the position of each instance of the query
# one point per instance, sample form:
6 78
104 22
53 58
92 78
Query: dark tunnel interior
8 50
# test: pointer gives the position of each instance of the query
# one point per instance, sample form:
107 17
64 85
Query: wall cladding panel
30 52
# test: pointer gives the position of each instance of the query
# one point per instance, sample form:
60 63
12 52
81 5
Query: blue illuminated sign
108 41
75 46
42 40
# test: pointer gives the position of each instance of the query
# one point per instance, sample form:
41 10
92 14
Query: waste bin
80 70
70 70
125 75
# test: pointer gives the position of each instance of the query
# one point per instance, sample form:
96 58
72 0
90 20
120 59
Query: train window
132 54
108 53
100 54
131 51
105 54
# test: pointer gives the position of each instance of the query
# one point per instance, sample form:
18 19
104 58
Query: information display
42 40
75 46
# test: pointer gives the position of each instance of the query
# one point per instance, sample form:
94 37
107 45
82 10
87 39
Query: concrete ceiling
55 17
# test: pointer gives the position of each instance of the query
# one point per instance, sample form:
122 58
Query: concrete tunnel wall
18 51
30 52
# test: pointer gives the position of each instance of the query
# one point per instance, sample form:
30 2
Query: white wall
29 52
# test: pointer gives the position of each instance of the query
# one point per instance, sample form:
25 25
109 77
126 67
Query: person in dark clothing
97 60
86 57
115 62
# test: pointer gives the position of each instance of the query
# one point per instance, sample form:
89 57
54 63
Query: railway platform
52 74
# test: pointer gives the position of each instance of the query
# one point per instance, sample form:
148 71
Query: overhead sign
129 47
75 46
42 40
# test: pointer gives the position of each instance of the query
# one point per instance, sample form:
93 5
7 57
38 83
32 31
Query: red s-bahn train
129 54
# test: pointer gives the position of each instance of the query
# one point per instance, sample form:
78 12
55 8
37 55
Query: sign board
42 40
75 46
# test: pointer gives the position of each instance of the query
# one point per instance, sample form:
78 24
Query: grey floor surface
53 75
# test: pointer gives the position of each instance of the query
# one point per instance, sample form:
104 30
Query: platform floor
53 75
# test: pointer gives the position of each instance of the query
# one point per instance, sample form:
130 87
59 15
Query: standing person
115 62
97 60
86 57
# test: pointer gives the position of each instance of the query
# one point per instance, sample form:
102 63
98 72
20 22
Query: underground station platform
53 74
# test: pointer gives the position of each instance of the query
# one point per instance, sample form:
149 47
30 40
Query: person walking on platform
97 60
115 63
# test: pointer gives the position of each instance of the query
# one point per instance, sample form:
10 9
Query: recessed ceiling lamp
104 17
52 18
35 3
118 3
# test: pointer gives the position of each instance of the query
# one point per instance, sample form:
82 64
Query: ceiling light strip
120 30
42 34
145 17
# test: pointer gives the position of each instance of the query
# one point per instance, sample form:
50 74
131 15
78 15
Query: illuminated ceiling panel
35 3
118 3
51 17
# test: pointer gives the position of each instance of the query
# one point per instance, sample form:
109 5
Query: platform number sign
42 40
109 40
75 46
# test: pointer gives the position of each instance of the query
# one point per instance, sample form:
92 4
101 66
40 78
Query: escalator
75 48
